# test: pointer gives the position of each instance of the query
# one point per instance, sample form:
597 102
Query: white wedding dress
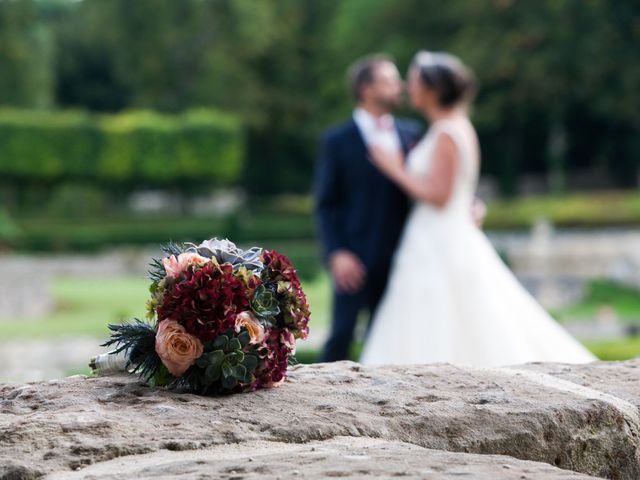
450 298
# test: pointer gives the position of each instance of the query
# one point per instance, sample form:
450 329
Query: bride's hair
447 75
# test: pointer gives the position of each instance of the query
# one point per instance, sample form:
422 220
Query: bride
450 298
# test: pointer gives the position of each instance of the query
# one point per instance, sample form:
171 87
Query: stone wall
582 254
554 265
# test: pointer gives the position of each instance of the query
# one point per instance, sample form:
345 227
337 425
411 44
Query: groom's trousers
346 310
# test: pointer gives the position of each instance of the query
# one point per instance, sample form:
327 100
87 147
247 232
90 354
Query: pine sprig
189 382
156 268
137 339
173 248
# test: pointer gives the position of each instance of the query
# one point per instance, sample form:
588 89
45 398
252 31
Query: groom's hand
388 162
348 271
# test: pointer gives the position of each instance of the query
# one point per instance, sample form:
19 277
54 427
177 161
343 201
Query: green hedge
197 147
9 232
291 235
588 210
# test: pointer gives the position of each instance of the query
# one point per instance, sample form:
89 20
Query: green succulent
265 303
226 363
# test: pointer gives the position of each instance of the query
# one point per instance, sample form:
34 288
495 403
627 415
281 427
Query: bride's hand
389 163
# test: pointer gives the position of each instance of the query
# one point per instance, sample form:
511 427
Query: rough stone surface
409 419
342 457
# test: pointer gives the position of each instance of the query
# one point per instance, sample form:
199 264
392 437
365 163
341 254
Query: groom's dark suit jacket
358 209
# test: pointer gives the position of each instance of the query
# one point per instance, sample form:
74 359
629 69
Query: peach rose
248 321
175 266
177 349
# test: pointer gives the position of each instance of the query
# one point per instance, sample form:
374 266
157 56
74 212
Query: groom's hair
362 72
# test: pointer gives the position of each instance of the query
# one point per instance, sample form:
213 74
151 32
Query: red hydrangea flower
206 300
293 301
273 367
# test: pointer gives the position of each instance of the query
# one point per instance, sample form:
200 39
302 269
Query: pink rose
177 349
248 321
175 266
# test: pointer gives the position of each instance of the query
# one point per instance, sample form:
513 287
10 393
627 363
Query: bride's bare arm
435 187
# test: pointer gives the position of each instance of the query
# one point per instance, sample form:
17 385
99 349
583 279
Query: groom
360 213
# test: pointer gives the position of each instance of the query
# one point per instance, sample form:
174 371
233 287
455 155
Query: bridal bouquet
223 320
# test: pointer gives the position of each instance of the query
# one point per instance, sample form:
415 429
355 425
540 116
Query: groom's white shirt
377 131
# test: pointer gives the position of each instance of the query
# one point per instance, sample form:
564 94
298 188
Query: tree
558 79
26 76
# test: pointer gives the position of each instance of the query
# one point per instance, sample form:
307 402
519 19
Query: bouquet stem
108 363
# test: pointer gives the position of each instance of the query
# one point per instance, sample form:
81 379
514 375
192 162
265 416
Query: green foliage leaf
161 378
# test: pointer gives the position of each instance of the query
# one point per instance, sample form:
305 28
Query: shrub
9 232
198 147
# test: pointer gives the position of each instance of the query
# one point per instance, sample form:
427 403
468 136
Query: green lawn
86 306
83 307
615 349
623 300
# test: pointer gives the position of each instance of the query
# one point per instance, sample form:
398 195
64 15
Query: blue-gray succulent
226 251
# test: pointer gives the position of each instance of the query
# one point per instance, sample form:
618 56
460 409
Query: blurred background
125 124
